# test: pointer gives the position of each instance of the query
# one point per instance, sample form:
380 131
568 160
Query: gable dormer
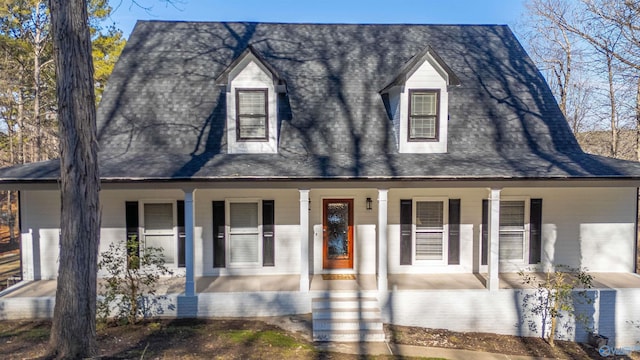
252 88
417 101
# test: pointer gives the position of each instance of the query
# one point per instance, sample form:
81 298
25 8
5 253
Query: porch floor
396 282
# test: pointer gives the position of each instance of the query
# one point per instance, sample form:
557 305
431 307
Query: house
430 162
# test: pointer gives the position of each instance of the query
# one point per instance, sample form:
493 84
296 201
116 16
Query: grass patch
29 333
266 337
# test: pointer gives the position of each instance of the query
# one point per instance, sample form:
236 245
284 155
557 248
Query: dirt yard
254 339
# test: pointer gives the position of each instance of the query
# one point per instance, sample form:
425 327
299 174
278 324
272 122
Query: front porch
364 283
459 302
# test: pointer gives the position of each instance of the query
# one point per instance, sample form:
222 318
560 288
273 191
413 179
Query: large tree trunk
73 330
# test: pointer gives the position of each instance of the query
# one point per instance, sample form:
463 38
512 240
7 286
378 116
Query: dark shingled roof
162 115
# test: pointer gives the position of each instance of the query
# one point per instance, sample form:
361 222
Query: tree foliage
589 51
28 108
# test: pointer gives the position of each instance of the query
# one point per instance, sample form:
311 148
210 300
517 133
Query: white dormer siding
426 77
249 74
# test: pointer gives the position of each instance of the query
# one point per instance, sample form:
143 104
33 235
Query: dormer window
252 115
424 114
252 89
417 102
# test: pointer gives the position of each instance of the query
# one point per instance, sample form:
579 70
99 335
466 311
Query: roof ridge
317 23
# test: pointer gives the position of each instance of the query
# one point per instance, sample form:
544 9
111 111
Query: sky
508 12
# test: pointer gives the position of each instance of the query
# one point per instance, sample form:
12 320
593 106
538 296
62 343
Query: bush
129 290
554 296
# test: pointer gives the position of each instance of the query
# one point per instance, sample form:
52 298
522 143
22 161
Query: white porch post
188 246
382 239
304 240
493 282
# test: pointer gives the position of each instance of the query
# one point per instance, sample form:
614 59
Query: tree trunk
73 330
37 42
612 101
22 153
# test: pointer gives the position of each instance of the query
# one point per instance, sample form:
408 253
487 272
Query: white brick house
430 162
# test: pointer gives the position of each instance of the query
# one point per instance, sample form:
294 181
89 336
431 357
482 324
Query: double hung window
429 230
512 230
158 229
244 233
251 114
423 115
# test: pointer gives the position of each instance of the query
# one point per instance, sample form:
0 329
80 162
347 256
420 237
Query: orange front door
337 227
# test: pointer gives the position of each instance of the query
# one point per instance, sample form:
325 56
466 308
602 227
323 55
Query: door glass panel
338 230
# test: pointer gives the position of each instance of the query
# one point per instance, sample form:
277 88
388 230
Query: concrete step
347 324
346 318
345 303
345 314
348 336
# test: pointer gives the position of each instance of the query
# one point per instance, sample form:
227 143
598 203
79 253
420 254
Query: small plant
554 296
129 289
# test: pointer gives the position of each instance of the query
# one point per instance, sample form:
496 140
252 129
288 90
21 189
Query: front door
337 227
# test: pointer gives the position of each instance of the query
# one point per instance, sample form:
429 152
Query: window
244 233
251 114
239 236
158 229
429 231
512 230
423 115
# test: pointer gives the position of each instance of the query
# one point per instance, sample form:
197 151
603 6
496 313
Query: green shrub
128 291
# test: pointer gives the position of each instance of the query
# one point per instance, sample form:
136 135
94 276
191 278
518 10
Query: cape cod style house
424 165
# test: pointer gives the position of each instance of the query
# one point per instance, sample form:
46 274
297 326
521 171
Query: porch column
188 246
304 240
382 239
493 282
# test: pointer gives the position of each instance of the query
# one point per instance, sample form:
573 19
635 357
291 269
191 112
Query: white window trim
227 221
525 238
173 232
445 230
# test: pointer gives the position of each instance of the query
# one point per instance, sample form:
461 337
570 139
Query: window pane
423 127
429 215
158 217
423 103
511 245
244 217
252 127
429 246
244 248
251 102
164 242
511 215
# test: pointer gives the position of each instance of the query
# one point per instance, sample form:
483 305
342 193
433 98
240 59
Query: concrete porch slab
361 283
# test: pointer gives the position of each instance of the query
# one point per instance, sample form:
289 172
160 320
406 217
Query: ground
257 339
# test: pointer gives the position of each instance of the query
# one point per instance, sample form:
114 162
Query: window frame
239 138
173 233
525 229
228 233
445 231
436 137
